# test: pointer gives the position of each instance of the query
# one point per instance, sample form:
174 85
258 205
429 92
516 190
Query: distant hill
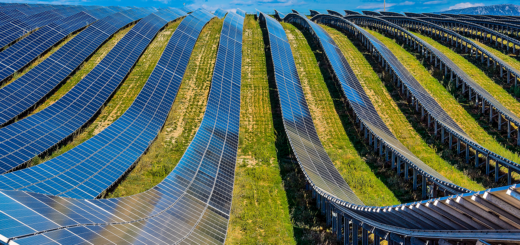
499 9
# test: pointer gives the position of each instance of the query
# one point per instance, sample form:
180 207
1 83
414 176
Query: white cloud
379 6
464 5
375 6
435 2
264 3
407 3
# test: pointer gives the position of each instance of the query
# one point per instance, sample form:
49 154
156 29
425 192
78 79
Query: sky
285 6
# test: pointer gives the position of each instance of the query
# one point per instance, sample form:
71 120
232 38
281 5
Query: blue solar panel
450 23
23 52
20 95
423 97
220 13
298 122
241 13
13 30
365 110
445 217
191 205
141 123
21 141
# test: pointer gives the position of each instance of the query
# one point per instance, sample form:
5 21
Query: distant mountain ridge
499 9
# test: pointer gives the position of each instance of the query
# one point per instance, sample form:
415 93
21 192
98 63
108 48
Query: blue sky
287 5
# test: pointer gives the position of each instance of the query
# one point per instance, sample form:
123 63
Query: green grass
510 59
39 60
477 75
367 186
124 95
260 210
391 113
445 99
183 120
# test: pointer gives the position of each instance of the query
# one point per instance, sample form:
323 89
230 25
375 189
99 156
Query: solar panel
25 139
371 13
220 13
20 95
11 31
85 176
187 9
423 97
390 13
332 12
25 51
405 223
191 205
297 119
449 23
241 13
314 12
504 67
365 111
349 12
278 14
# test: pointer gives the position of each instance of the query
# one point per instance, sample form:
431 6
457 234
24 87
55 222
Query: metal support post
365 236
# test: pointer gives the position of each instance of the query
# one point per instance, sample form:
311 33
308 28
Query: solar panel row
414 88
475 90
25 139
500 25
482 31
22 94
191 205
220 13
28 49
241 13
503 68
92 167
297 119
375 129
16 29
414 223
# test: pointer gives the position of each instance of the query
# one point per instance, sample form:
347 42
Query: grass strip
184 118
476 74
510 59
451 105
260 209
391 113
122 98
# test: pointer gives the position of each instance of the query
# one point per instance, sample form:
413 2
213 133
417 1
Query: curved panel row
482 31
241 13
457 40
26 91
297 119
492 215
17 12
220 13
30 48
13 30
380 136
474 90
25 139
497 24
87 170
191 205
